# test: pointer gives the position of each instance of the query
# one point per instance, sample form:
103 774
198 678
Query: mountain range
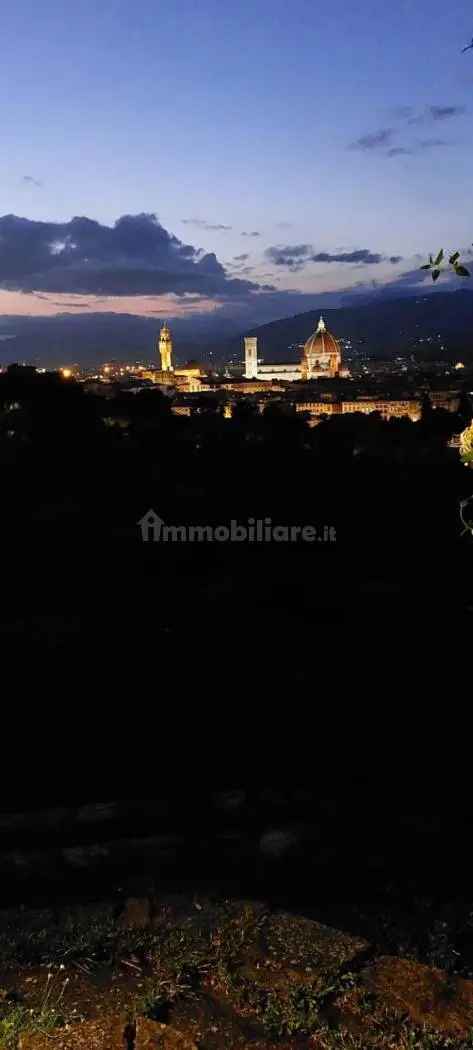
435 325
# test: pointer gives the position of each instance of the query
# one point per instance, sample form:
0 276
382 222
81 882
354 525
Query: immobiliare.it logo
253 530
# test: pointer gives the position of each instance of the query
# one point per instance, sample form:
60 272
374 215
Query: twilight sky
286 148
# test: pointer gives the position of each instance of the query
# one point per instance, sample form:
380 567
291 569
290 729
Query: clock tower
165 348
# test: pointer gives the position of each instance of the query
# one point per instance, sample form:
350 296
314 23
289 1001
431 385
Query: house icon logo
150 525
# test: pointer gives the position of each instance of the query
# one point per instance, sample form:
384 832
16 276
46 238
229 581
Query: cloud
375 140
294 257
135 256
254 233
436 113
395 259
241 258
31 181
284 225
445 112
380 139
361 256
202 224
432 144
418 147
137 267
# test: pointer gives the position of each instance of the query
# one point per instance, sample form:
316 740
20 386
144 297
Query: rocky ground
203 972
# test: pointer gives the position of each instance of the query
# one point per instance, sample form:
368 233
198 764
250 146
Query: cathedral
321 358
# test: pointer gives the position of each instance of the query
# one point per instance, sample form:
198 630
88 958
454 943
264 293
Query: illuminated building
251 357
189 376
388 409
181 410
165 348
321 355
321 359
447 399
276 372
165 379
251 386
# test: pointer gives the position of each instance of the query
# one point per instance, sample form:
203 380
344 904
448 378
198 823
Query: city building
387 408
321 355
321 358
187 377
316 386
165 348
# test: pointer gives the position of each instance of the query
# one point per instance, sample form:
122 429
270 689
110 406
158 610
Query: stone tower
251 357
165 348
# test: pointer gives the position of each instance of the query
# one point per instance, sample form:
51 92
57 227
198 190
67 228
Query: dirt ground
182 973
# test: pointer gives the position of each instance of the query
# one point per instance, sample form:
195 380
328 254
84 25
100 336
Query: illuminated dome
321 355
322 341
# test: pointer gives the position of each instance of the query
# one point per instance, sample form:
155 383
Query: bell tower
251 357
165 348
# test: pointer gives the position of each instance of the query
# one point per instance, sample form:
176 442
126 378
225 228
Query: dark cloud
241 258
136 256
436 113
31 180
202 224
292 256
295 256
254 233
380 139
361 256
376 140
395 259
445 112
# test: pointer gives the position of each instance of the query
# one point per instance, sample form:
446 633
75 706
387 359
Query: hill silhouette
384 328
381 326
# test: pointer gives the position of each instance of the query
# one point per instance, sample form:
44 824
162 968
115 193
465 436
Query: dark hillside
383 328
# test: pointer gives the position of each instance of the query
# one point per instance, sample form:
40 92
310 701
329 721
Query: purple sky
285 149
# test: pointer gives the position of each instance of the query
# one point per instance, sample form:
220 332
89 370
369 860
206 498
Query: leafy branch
435 265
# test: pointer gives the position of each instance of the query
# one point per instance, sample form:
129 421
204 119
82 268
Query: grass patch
16 1018
83 938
